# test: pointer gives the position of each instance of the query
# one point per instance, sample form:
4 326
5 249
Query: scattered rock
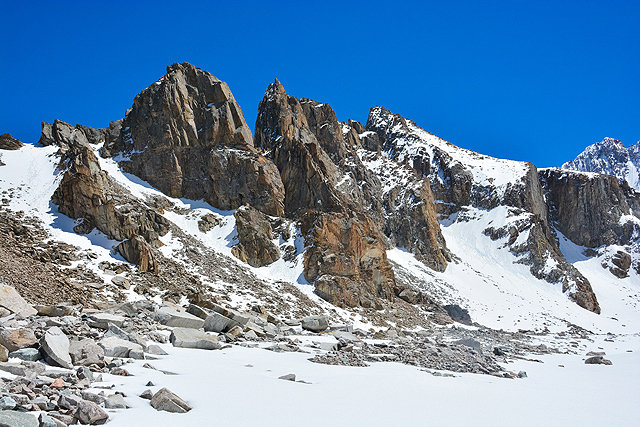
90 413
288 377
11 300
173 317
117 347
147 394
17 419
86 352
116 401
102 320
315 323
15 339
193 338
165 400
598 360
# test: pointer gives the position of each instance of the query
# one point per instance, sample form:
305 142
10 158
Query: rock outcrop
8 142
86 193
61 133
255 235
186 136
326 186
591 209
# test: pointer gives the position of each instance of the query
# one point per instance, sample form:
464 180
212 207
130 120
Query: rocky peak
186 135
610 157
8 142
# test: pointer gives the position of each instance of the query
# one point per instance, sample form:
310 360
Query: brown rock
137 251
58 383
8 142
347 260
255 235
186 136
15 339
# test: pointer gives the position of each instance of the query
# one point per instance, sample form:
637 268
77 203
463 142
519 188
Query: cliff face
186 136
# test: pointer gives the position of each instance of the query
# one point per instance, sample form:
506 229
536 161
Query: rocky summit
176 230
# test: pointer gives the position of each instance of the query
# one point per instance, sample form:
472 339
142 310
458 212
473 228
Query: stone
58 383
147 394
193 338
288 377
17 419
317 323
56 310
55 348
90 413
8 142
7 403
208 222
197 311
114 331
86 352
102 320
137 251
28 354
84 372
165 400
173 317
47 421
24 369
236 316
597 360
117 347
156 350
116 401
471 343
346 336
11 300
121 282
255 245
15 339
199 147
250 335
4 353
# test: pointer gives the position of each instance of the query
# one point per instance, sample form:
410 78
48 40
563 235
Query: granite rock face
186 136
86 193
590 209
255 235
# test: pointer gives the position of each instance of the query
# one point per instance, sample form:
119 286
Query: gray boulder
117 347
102 320
17 419
598 360
86 352
114 331
116 401
57 310
28 354
165 400
193 338
156 350
173 317
55 348
24 369
90 413
7 403
315 323
217 322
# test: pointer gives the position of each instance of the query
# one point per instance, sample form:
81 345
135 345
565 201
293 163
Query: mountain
383 220
610 157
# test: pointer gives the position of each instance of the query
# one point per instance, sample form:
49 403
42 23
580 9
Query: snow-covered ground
239 386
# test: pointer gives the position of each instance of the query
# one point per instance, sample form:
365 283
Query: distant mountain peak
610 157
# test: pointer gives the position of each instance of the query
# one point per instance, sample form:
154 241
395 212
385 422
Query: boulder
90 413
24 369
315 323
165 400
4 353
102 320
86 352
137 251
216 322
156 350
11 300
7 403
28 354
114 331
8 142
597 360
116 401
15 339
56 310
117 347
55 348
17 419
255 245
193 338
171 316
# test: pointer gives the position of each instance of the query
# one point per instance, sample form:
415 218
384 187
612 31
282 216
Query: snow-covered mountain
610 157
361 217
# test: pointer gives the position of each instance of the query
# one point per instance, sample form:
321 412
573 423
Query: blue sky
535 81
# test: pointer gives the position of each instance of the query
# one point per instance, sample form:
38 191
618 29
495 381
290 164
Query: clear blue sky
536 81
